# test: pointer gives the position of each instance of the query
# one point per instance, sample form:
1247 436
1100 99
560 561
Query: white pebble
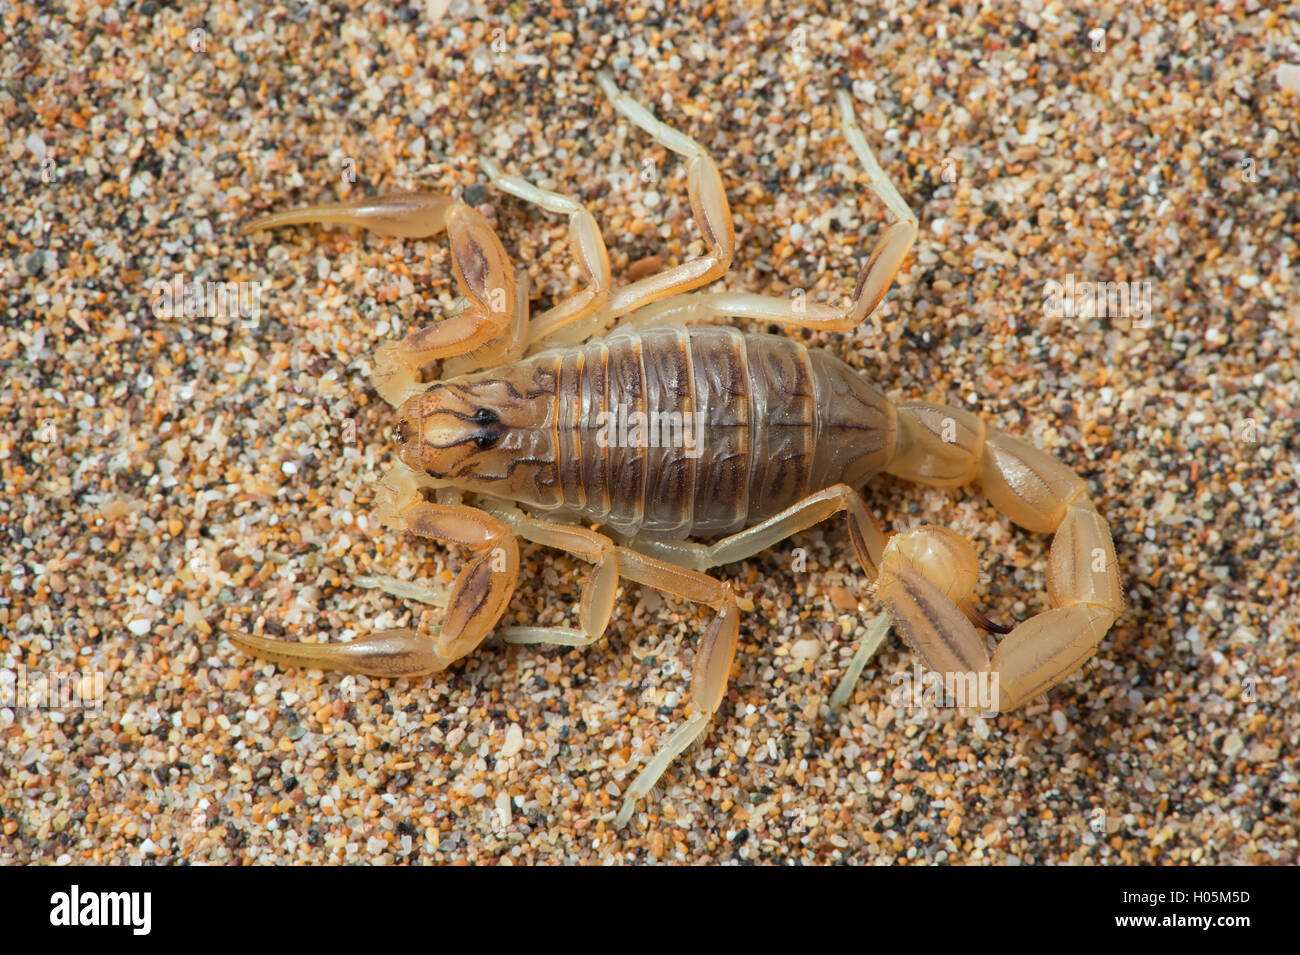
806 649
503 809
1058 722
514 741
1288 77
138 626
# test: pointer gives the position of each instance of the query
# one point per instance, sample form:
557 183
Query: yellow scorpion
664 430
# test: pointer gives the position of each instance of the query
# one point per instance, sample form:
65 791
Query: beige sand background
166 479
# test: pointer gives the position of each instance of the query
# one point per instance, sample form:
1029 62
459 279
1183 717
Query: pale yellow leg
713 659
865 534
598 589
405 589
873 282
867 648
586 245
708 204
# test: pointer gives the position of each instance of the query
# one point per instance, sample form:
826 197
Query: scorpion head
477 432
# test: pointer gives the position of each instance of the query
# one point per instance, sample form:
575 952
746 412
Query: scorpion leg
598 588
400 486
586 245
482 270
713 659
864 532
478 599
498 351
873 281
708 204
927 572
868 545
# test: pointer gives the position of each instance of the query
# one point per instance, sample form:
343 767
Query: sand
172 476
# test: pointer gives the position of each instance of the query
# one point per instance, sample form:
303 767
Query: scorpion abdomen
683 431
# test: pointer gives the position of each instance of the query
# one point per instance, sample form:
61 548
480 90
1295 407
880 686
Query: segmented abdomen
701 431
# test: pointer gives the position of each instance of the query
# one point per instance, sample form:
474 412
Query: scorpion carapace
664 430
667 432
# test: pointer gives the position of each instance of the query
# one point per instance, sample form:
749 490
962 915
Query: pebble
1288 77
514 741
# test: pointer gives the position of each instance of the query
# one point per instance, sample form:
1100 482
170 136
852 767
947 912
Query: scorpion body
665 430
669 432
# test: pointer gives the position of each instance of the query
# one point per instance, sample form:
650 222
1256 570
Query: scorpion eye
402 431
486 418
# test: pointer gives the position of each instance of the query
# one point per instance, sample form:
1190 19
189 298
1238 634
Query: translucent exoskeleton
626 449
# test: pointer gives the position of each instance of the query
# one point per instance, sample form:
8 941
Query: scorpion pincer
664 430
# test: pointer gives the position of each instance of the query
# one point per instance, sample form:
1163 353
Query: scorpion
768 438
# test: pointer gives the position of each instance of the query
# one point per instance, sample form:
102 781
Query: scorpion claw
385 653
